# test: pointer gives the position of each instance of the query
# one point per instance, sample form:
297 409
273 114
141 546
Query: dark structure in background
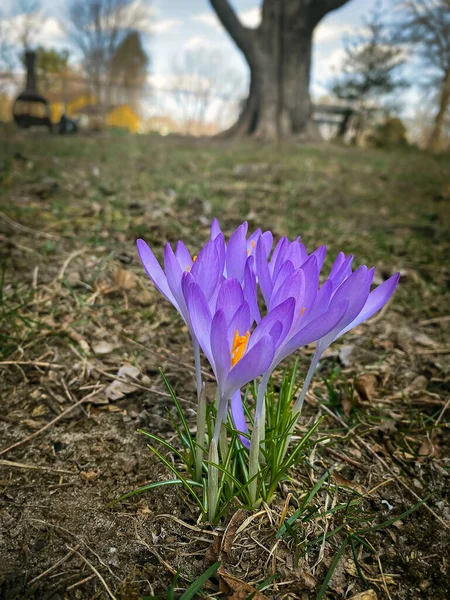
278 53
30 108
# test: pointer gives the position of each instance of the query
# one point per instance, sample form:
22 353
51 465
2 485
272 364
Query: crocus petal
279 255
240 322
268 241
311 270
262 271
237 253
356 289
320 255
230 297
174 275
286 269
252 364
220 348
205 269
343 272
251 289
201 319
154 271
297 253
183 256
238 416
315 330
283 313
293 287
321 303
215 228
376 300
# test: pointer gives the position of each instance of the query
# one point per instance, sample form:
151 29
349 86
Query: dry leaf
125 280
340 480
103 348
366 595
119 389
76 337
365 386
427 449
236 589
88 475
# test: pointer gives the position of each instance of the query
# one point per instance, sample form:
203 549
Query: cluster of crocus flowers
219 294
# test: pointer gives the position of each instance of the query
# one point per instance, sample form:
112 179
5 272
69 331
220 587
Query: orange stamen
239 346
302 310
194 258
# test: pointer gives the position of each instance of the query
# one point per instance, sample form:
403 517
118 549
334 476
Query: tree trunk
278 53
435 137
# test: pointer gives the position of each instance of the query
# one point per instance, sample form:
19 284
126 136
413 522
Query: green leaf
150 486
197 585
334 564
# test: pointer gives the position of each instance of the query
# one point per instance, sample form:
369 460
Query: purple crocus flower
235 355
364 304
240 247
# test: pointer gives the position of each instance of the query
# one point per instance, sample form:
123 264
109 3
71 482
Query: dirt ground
76 310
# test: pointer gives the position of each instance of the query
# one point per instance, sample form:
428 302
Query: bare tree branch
242 36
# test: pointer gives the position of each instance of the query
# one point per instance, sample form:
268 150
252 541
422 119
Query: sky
179 25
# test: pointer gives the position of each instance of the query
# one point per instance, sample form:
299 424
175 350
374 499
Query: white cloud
197 41
208 18
328 32
45 30
164 25
250 18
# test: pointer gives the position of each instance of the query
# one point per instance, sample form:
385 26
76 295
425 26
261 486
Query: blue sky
178 25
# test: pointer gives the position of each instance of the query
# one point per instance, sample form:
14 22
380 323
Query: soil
76 308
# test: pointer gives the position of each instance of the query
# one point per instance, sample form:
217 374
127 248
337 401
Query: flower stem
298 405
201 434
213 481
201 412
253 462
260 412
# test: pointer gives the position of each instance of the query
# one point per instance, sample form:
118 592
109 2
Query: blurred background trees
392 71
424 26
370 71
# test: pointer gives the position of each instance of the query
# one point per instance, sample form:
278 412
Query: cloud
164 25
197 41
250 18
44 30
328 32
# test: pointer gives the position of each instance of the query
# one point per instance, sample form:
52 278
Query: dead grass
75 308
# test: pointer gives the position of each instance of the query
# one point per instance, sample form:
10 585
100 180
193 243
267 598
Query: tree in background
98 28
278 53
204 89
369 70
29 23
52 64
425 25
129 66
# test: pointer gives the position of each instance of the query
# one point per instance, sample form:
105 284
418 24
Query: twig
21 227
67 261
59 562
78 583
132 381
442 412
51 423
435 320
91 566
16 465
167 358
34 363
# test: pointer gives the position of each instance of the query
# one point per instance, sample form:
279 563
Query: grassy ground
75 307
